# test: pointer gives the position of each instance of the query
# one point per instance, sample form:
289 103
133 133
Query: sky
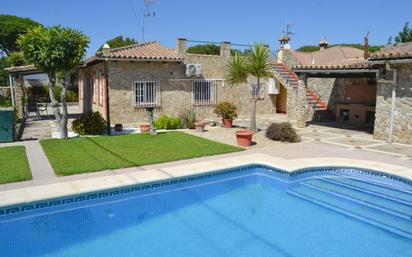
239 22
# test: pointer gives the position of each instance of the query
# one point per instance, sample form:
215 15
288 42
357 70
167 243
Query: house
170 80
350 87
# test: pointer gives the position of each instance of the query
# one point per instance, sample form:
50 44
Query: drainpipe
393 105
12 90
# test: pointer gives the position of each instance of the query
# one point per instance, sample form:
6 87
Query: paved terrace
318 141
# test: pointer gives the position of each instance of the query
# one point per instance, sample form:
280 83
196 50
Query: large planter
118 127
244 137
144 127
200 126
227 123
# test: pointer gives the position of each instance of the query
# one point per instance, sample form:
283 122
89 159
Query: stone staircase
313 99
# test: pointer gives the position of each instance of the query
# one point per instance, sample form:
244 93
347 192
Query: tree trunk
54 103
63 131
253 116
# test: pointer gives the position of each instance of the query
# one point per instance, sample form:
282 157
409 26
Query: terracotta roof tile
358 65
336 55
397 51
146 51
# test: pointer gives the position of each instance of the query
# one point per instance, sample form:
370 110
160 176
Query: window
94 88
146 93
100 88
257 93
203 92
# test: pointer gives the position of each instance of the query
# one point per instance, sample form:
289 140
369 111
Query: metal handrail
317 94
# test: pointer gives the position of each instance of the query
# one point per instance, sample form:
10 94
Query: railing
146 94
204 92
317 94
255 93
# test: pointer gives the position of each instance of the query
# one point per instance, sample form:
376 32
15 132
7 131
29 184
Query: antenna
288 26
147 13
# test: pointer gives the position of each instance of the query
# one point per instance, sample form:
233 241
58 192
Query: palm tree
255 63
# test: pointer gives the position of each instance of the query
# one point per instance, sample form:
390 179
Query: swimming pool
249 211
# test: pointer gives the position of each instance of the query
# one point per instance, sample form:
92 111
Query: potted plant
227 111
200 126
118 127
144 127
244 137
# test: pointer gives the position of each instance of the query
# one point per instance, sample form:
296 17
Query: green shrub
282 132
91 123
5 101
188 118
71 95
226 110
166 122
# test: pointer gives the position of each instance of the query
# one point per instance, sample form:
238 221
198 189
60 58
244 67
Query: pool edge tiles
91 185
263 169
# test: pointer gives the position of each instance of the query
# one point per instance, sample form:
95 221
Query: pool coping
84 186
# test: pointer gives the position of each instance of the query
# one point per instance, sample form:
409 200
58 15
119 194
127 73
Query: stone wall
288 58
86 103
176 89
402 128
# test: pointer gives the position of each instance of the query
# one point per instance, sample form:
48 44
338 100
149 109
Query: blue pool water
250 212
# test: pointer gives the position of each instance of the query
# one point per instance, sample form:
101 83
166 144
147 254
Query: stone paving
347 136
42 128
318 140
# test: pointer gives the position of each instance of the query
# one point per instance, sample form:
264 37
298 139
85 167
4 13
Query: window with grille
204 92
146 93
257 93
100 88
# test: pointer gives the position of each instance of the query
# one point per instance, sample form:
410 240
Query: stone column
181 47
301 104
225 50
19 95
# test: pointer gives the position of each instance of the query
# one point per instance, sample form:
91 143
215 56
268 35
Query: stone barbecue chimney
181 47
225 49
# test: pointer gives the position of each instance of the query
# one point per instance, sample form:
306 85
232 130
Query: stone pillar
19 95
181 47
301 104
225 50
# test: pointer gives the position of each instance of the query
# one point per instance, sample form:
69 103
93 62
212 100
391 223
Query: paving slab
38 162
350 142
394 148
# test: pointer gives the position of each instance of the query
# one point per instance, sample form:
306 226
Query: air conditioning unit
273 87
193 69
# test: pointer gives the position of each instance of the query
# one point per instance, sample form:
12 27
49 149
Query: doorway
281 100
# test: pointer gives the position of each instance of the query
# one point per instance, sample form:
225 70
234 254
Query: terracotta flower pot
227 123
200 126
118 127
144 127
244 137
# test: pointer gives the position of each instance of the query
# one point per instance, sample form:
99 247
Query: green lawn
88 154
13 164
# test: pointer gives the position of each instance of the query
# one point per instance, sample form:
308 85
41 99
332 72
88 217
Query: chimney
225 50
181 47
366 47
323 44
284 41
